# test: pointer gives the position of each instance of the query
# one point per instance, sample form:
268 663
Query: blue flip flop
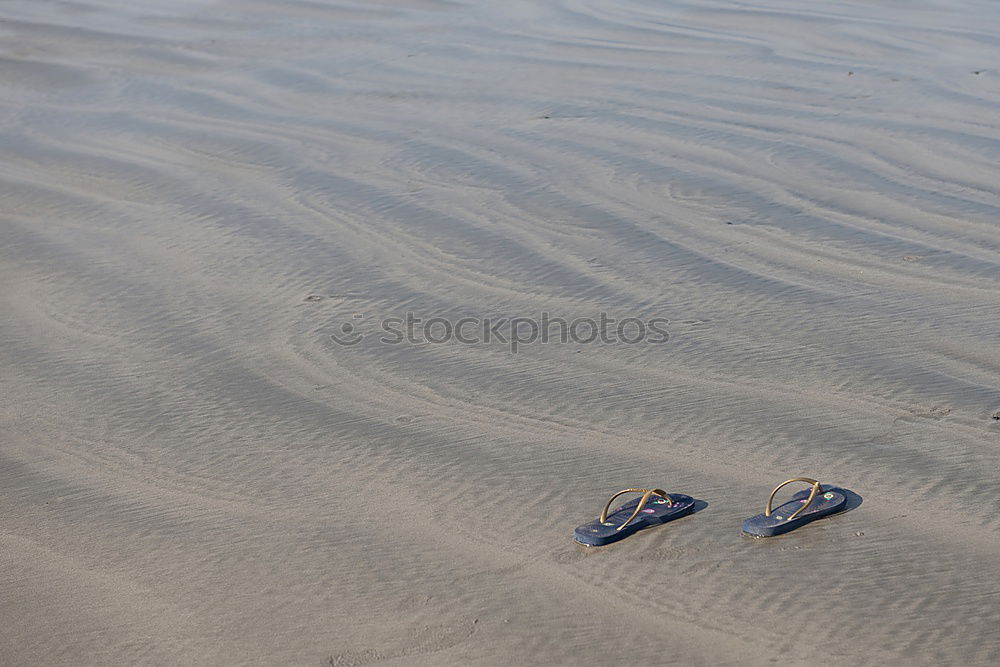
805 506
633 516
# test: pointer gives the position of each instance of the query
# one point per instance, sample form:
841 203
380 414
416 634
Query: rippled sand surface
194 196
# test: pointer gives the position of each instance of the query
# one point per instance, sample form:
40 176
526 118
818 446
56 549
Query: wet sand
195 196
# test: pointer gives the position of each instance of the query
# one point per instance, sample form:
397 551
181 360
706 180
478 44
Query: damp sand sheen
196 195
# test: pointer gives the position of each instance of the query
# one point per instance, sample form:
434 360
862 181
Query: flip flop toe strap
816 489
646 495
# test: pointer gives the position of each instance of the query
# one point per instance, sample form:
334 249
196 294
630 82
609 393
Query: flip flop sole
657 511
823 504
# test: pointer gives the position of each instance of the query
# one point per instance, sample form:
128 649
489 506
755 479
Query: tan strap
816 488
646 495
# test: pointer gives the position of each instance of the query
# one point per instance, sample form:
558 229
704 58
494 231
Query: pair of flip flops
656 506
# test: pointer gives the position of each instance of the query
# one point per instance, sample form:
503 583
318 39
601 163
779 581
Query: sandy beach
211 453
